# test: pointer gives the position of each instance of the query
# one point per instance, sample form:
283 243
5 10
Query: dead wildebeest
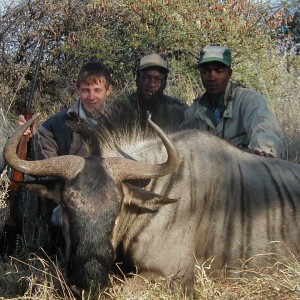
198 198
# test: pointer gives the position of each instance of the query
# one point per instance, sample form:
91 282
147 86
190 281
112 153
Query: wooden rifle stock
17 176
22 154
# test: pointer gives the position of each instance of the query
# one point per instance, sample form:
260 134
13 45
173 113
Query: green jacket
246 121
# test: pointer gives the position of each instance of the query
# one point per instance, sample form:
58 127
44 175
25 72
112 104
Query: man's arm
44 143
47 144
263 129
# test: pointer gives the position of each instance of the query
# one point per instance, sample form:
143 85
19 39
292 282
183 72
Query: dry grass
4 185
39 279
284 101
33 278
6 129
280 281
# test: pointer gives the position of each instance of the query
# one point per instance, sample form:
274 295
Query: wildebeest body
230 206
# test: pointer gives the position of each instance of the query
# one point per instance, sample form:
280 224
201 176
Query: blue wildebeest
197 198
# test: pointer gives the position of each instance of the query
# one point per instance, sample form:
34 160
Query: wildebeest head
91 191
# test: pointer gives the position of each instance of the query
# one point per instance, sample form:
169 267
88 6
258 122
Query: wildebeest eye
138 182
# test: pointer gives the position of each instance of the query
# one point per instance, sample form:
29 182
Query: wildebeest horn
129 169
66 166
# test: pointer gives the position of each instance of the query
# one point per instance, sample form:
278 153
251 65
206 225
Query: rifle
17 176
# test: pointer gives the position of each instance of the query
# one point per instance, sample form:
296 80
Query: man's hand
28 131
264 153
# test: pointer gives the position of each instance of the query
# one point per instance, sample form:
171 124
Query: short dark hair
91 72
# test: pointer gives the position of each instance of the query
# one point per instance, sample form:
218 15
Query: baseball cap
153 60
215 53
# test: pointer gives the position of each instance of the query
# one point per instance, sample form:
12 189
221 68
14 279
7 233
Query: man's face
151 83
93 96
215 77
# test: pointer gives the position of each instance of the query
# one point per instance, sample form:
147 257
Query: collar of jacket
228 101
229 95
230 92
78 110
74 108
201 113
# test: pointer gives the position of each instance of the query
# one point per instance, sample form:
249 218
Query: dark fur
116 126
91 219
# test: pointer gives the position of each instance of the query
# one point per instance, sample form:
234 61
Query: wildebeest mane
118 127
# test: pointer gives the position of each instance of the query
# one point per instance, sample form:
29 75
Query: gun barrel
37 66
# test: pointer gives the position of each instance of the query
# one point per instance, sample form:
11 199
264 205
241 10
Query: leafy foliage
119 33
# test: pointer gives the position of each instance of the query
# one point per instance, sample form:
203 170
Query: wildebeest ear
142 198
45 188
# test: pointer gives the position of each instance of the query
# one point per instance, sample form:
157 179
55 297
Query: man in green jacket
149 98
230 111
